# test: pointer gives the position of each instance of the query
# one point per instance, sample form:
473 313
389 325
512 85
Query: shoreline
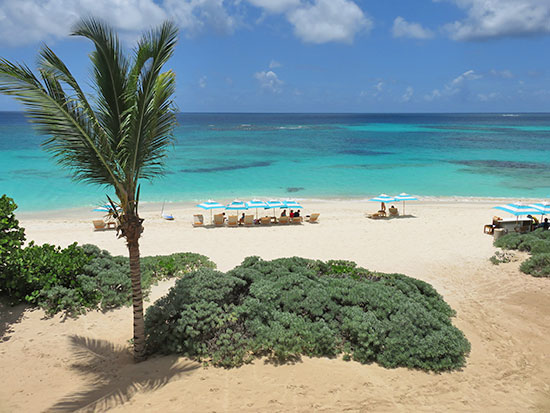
149 207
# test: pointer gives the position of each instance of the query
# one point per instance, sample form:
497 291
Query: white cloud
202 82
328 21
455 86
379 86
498 18
409 92
468 75
274 64
275 6
269 81
30 21
402 28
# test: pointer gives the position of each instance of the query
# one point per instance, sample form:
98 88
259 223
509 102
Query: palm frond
145 141
71 138
110 68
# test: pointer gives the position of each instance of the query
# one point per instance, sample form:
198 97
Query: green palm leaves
124 133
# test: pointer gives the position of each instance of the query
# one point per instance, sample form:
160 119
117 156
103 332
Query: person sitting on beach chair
393 211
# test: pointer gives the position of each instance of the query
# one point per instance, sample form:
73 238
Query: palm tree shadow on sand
114 377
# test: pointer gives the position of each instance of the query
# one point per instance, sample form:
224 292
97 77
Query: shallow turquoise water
226 156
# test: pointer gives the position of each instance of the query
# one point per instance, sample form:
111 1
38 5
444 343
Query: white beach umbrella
405 197
256 203
210 205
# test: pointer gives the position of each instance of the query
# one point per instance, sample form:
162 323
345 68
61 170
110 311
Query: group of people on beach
536 224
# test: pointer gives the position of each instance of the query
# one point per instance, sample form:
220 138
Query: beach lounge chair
265 220
377 215
297 220
393 212
99 225
284 220
313 218
249 220
233 221
219 219
198 220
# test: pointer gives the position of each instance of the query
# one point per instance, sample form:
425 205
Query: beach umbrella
404 197
256 203
236 205
543 207
273 203
383 198
289 203
210 205
518 209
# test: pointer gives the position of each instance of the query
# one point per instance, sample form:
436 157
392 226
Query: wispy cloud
403 28
409 92
202 82
455 86
274 64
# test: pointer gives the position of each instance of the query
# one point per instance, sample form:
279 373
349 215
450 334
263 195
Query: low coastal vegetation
281 309
289 307
76 278
537 243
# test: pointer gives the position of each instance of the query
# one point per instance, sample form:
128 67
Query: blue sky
318 55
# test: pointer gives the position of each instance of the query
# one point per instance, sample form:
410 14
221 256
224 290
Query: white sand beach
57 363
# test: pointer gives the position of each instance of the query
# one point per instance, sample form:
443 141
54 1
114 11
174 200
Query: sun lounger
297 220
284 220
249 220
233 221
377 215
198 220
99 225
265 220
219 219
313 218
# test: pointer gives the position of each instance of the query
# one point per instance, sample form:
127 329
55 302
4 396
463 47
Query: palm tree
121 137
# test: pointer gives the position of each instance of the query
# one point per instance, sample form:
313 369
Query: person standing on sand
382 207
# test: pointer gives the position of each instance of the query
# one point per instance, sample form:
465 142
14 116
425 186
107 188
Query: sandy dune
62 364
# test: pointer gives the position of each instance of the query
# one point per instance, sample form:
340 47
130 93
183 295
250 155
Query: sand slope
64 364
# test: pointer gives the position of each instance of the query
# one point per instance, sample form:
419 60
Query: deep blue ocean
227 156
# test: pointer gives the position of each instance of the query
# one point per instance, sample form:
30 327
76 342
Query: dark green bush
537 243
11 239
290 307
537 265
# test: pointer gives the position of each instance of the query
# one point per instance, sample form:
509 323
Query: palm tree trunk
132 233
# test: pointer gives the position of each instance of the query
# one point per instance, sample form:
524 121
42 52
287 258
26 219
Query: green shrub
537 243
11 240
289 307
537 265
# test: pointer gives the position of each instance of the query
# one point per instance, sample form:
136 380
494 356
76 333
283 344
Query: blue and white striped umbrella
518 209
290 203
383 198
256 203
274 203
405 197
543 207
210 205
236 205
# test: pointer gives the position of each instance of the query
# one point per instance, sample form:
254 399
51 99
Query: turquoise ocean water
226 156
